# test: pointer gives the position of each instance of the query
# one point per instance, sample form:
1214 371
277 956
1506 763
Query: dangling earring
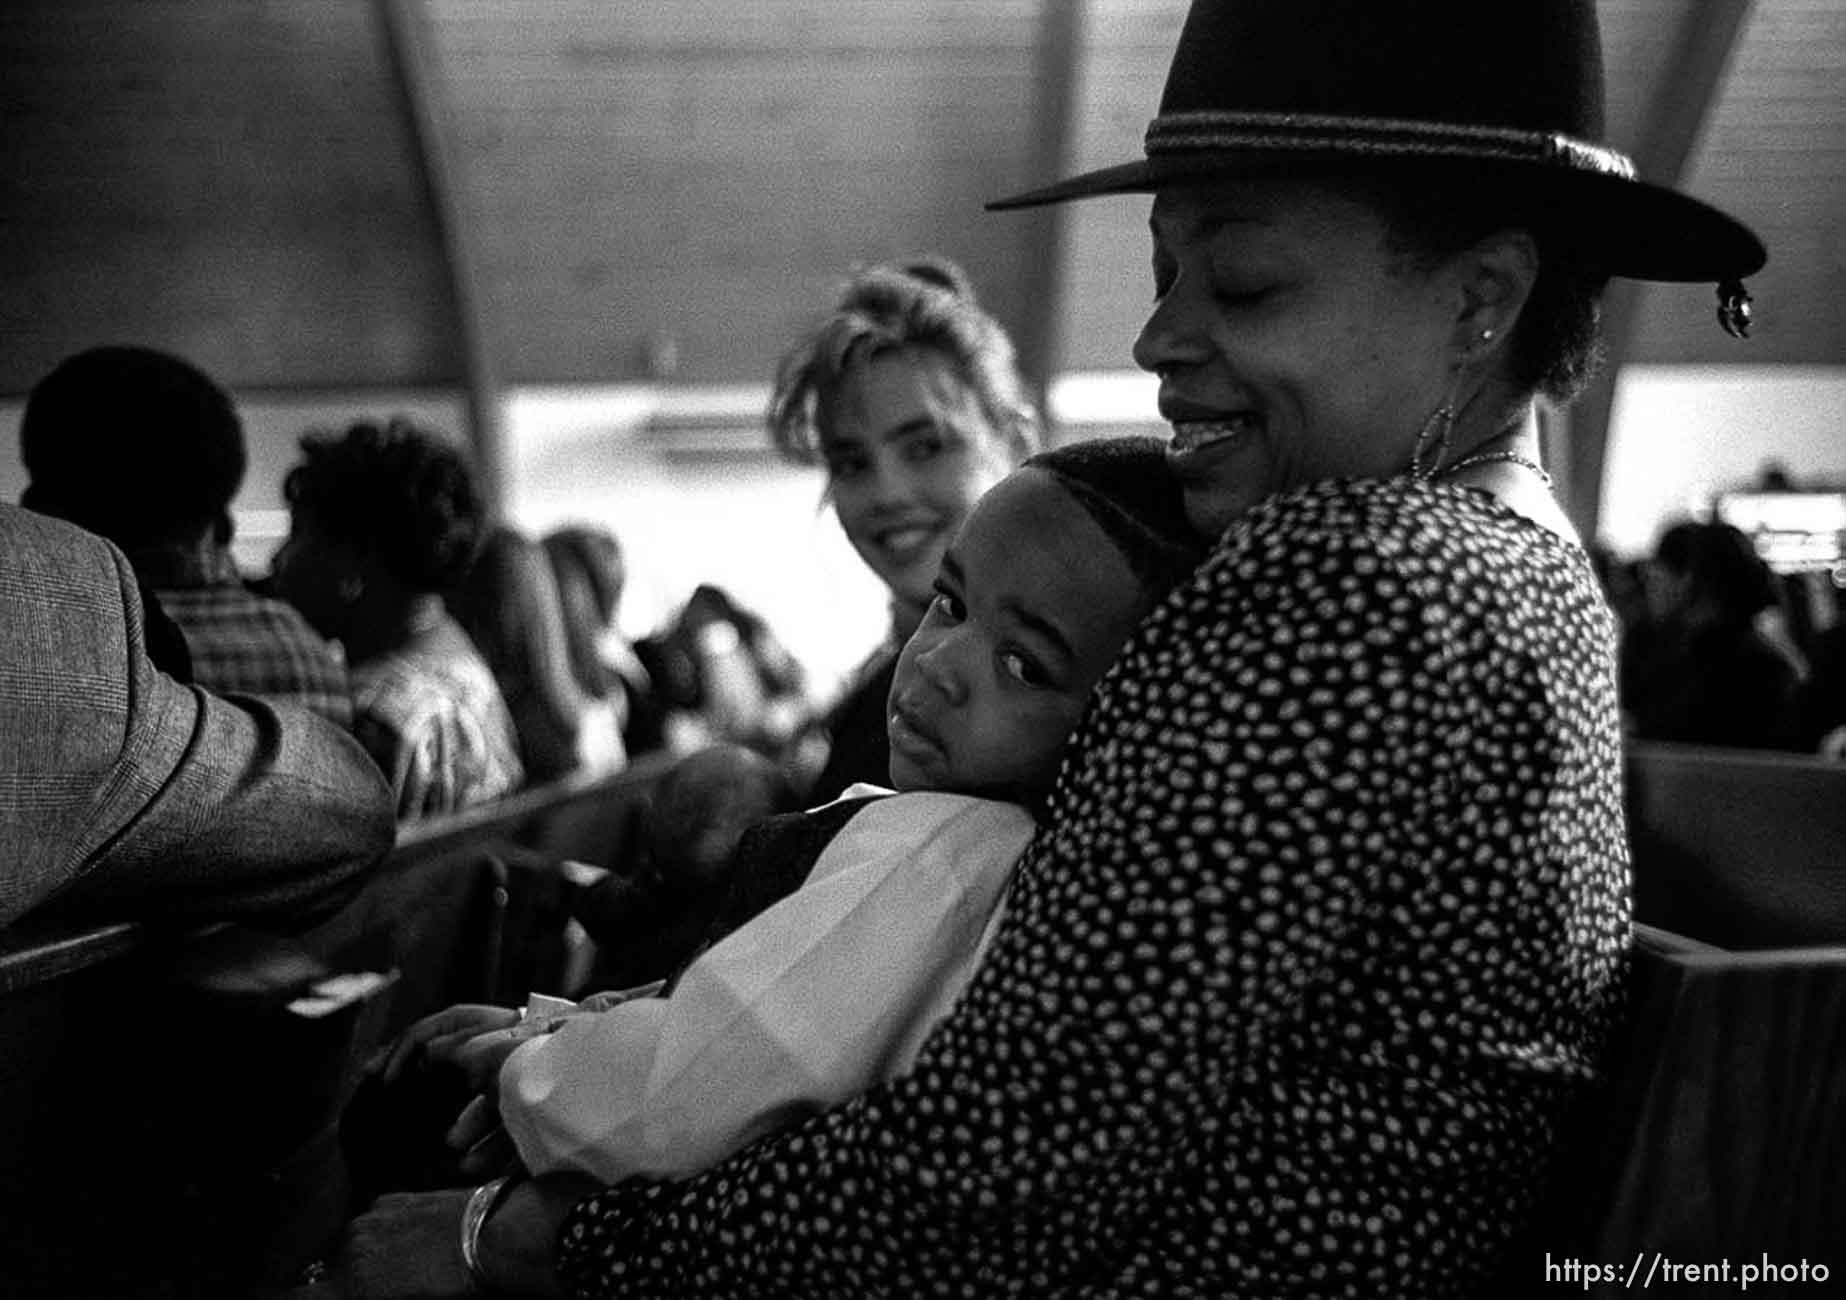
1434 433
1433 438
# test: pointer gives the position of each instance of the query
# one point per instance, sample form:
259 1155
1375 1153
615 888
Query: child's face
908 454
1033 602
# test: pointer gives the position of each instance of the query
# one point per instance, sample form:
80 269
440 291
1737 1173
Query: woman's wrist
481 1204
516 1240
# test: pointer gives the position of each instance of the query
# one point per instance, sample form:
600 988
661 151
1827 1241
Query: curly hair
1434 211
926 304
402 494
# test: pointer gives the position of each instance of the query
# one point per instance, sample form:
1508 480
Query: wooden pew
1739 848
1720 1133
1731 1105
172 1126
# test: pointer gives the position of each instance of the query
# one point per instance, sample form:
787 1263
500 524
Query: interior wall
231 182
1678 434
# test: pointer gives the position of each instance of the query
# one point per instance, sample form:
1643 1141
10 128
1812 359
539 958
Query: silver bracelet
483 1201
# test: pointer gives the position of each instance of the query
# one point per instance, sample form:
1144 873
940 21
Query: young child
834 987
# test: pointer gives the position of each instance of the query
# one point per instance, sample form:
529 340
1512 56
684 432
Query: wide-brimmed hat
1508 87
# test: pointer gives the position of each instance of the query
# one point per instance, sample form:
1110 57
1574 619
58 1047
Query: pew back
173 1126
1739 848
1720 1133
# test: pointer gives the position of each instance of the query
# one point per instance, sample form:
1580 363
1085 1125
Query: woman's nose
1170 336
889 484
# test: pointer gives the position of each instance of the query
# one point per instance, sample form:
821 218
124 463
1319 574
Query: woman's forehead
877 394
1261 205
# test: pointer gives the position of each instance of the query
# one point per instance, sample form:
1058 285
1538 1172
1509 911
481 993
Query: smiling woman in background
909 394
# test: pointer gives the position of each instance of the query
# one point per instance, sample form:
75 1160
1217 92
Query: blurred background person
507 602
1700 669
383 518
143 448
728 677
591 572
909 395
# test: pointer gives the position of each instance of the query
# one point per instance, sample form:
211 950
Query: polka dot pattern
1324 933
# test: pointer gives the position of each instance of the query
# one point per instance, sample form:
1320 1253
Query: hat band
1206 130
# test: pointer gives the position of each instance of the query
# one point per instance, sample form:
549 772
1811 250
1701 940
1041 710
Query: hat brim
1625 227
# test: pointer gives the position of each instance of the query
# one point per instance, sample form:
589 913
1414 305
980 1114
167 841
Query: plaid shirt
243 643
432 716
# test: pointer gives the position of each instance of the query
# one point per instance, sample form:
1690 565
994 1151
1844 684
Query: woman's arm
409 1246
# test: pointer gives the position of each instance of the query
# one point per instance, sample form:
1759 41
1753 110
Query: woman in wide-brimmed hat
1325 932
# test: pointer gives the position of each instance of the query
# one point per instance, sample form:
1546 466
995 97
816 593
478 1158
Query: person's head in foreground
909 394
381 518
136 445
1045 581
1379 232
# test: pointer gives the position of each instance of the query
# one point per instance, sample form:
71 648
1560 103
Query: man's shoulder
34 539
55 577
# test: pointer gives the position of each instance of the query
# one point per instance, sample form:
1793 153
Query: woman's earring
1432 442
351 589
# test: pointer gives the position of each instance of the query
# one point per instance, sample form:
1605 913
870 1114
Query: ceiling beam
415 71
1684 95
1041 233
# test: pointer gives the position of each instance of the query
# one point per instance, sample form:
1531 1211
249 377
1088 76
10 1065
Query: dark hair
402 494
1723 566
134 444
1434 211
926 304
1127 488
586 563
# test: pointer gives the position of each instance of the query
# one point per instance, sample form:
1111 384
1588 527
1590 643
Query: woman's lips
1195 435
906 543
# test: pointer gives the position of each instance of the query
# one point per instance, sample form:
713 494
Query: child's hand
480 1056
435 1037
477 1134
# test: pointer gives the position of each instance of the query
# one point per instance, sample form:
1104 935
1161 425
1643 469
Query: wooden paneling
1774 153
1109 284
702 174
231 181
671 188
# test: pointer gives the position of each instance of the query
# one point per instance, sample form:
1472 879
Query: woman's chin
1210 513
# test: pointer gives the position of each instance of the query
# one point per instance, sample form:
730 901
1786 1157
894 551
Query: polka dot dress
1324 933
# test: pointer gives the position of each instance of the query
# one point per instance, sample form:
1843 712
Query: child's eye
1023 669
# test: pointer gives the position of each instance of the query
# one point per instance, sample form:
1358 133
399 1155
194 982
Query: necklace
1489 457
